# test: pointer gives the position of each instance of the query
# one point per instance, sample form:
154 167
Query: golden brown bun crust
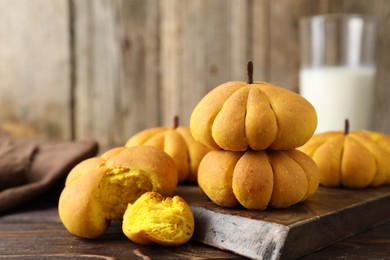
215 176
112 152
356 160
98 189
258 179
235 116
155 219
309 167
254 172
179 144
78 208
196 152
159 167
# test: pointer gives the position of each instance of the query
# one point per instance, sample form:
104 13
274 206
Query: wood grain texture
380 9
203 44
35 232
329 216
52 241
284 44
250 238
116 69
19 234
284 48
259 39
35 65
362 246
108 69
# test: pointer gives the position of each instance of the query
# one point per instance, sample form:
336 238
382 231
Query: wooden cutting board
329 216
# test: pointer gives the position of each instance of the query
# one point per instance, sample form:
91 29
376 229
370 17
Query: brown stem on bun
175 122
346 127
249 68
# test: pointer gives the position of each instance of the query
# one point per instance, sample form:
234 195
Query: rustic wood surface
327 217
40 235
106 69
35 232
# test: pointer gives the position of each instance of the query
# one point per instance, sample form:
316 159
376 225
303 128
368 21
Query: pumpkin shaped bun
258 179
178 143
155 219
99 189
355 159
258 115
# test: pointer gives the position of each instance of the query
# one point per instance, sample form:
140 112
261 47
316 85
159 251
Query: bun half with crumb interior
155 219
99 189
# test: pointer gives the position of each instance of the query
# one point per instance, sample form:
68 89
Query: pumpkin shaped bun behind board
178 143
355 159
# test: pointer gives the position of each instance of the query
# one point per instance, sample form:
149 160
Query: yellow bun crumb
99 189
155 219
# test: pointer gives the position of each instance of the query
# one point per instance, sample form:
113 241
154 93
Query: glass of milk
337 73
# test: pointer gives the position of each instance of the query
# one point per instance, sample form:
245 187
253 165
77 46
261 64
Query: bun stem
249 68
175 122
346 127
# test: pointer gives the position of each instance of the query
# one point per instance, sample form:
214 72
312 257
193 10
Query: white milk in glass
339 93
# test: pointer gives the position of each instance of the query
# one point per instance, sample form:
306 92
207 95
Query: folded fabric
30 168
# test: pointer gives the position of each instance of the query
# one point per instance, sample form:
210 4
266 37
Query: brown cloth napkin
30 168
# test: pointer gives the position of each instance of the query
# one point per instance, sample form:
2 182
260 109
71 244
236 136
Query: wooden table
37 233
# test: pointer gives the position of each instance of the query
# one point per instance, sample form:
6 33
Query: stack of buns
253 129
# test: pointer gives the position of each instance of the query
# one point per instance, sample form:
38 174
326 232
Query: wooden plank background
106 69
